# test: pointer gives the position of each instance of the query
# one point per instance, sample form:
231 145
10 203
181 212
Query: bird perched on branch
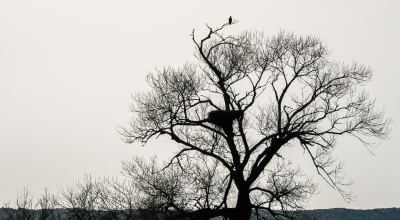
230 20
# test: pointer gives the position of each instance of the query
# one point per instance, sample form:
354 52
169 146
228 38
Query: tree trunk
243 206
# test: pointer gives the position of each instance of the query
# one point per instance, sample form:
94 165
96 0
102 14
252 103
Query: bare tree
24 207
249 96
80 199
118 198
44 208
47 205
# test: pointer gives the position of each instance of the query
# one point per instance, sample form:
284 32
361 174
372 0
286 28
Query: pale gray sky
68 69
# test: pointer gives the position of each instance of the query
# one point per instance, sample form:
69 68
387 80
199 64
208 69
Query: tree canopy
231 113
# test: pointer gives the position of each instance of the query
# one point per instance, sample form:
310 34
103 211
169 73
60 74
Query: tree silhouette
287 93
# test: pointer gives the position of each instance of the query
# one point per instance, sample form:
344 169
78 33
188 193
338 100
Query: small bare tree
45 208
118 198
24 208
231 114
47 205
80 199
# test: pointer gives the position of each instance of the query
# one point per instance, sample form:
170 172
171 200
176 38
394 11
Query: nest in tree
224 119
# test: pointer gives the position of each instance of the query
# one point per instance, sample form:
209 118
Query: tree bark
243 206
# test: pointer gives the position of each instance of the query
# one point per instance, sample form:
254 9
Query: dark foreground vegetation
72 214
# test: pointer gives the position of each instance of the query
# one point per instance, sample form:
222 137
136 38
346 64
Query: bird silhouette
230 20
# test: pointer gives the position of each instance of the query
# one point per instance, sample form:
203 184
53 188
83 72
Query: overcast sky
68 69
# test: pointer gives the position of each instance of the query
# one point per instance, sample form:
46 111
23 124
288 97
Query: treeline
61 214
356 214
69 214
158 195
90 199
